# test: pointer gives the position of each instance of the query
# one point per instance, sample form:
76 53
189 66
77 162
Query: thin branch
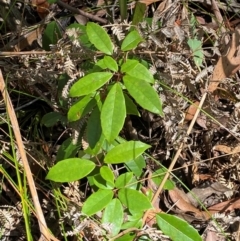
78 11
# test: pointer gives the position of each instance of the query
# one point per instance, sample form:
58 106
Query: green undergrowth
114 87
116 84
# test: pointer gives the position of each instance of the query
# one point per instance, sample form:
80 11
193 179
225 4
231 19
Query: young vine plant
110 91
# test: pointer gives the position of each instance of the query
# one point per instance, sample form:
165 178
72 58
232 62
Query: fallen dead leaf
190 112
227 64
223 148
227 149
182 202
151 218
24 40
42 7
202 121
180 199
228 205
236 149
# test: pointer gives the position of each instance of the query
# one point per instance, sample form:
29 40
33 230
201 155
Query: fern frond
78 130
67 87
117 30
69 66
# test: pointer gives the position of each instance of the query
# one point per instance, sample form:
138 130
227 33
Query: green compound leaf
90 83
128 237
67 150
51 118
99 38
102 183
107 63
110 63
134 224
113 215
76 110
113 113
131 41
196 47
143 94
137 70
70 170
126 151
97 201
51 35
136 165
134 200
107 174
129 65
123 180
131 108
139 13
94 131
176 228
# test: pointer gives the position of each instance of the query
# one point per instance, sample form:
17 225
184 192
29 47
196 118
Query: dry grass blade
41 220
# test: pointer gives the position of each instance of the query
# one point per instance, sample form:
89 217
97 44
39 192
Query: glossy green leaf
67 150
97 202
132 224
107 174
52 118
134 216
131 41
113 113
102 183
130 236
158 176
100 63
143 94
123 6
90 83
134 200
106 63
137 70
76 110
113 215
131 108
139 13
110 63
94 131
126 151
136 165
123 180
129 65
99 38
176 228
51 35
196 47
70 170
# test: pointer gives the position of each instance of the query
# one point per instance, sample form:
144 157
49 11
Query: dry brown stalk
45 234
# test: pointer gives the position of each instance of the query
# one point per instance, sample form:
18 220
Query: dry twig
78 11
